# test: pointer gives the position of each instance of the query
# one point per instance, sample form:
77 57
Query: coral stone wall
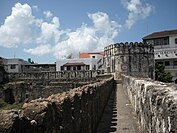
76 111
155 104
25 91
135 59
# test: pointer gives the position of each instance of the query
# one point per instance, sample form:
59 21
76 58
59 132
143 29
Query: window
175 63
167 63
87 67
78 67
175 40
12 66
68 68
74 68
62 68
161 41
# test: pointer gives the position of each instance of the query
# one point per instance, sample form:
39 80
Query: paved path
118 116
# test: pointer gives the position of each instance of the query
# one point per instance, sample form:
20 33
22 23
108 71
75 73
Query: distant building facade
76 64
14 65
86 61
165 49
94 55
17 65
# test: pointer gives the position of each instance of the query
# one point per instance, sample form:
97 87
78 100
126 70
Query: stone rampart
155 104
53 75
76 111
25 91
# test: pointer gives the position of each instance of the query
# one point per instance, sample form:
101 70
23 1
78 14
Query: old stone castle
75 101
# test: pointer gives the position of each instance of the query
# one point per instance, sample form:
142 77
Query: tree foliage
161 74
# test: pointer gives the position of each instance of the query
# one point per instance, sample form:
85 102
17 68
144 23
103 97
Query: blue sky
49 30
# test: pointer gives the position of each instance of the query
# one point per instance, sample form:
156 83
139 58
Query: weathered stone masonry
25 91
65 75
135 59
155 104
76 111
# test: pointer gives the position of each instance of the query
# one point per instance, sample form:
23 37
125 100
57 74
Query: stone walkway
118 116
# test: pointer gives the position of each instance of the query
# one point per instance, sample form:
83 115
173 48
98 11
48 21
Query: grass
7 106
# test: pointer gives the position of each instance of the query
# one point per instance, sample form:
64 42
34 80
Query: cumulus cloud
48 14
137 10
49 31
21 27
40 50
89 38
18 27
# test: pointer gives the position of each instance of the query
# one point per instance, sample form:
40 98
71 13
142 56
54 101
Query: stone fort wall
78 110
136 59
25 91
65 75
155 104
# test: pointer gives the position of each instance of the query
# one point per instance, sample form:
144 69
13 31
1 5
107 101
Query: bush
161 74
6 106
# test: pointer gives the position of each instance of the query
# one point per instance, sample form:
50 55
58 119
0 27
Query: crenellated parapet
127 48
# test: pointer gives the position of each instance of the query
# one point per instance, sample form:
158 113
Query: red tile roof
87 54
160 34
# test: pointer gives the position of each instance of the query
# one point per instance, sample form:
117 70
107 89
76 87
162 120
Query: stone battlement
78 110
155 104
65 75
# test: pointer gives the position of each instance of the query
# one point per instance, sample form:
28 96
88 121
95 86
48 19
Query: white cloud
40 50
21 27
48 14
18 27
137 10
49 31
85 38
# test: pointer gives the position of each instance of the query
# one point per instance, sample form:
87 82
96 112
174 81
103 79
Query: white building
86 61
165 49
95 55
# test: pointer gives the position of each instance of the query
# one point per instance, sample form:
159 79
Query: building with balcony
165 49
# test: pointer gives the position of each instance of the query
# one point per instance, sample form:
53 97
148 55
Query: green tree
161 74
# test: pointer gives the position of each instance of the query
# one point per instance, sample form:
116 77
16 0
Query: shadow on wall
108 123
